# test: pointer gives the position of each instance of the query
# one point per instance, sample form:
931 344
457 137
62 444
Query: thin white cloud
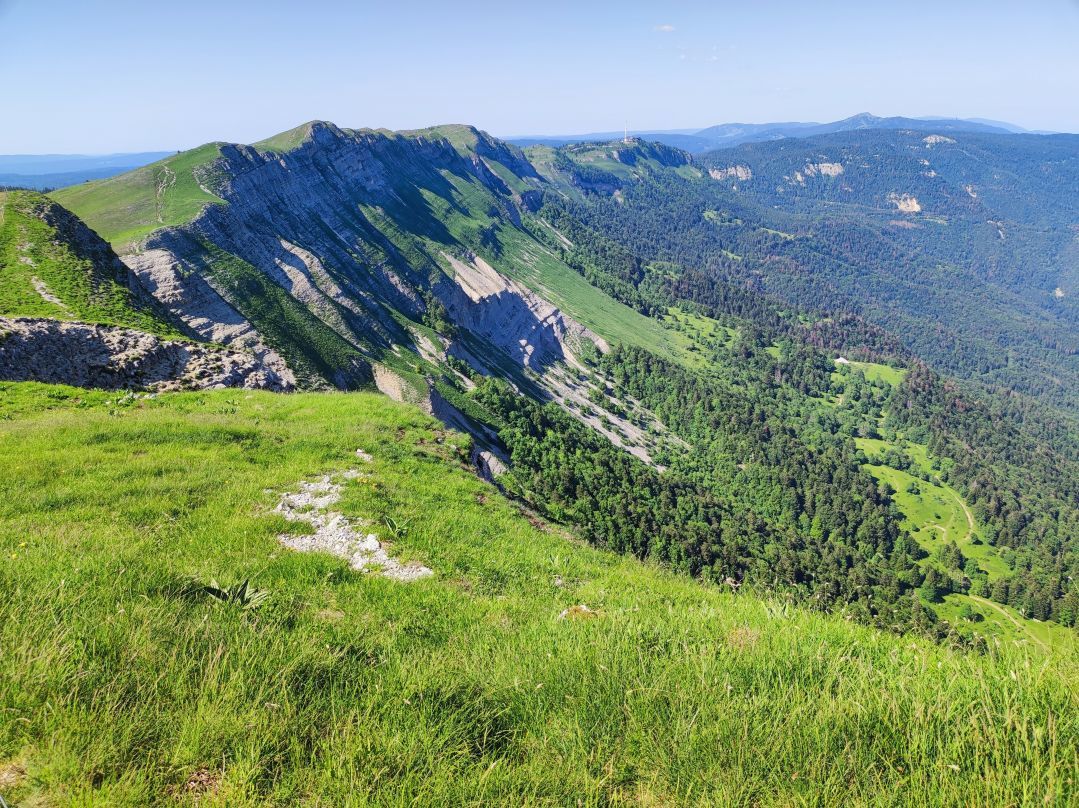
666 28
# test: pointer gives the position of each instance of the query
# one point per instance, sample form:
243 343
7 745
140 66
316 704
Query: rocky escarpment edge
109 357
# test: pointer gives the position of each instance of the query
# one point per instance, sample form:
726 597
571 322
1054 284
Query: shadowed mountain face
362 257
357 234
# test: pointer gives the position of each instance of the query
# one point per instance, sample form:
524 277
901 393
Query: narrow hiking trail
1005 612
943 530
966 510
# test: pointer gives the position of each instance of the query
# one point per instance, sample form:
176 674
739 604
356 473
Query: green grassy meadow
697 337
935 514
120 687
127 207
529 262
285 141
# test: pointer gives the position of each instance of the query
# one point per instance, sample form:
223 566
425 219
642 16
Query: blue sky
127 75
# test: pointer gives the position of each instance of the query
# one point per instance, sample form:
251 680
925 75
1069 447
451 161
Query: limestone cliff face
193 300
355 230
510 316
331 262
348 258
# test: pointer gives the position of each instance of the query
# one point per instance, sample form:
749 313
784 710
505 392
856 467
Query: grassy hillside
285 141
461 689
60 272
530 263
125 208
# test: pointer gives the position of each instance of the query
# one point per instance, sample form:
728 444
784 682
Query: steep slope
826 273
71 311
55 266
527 670
338 250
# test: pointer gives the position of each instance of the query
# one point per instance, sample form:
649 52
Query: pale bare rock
489 465
533 331
11 775
395 386
1058 293
46 295
578 612
335 533
25 260
189 296
905 203
823 169
741 173
303 275
935 140
620 430
557 234
430 350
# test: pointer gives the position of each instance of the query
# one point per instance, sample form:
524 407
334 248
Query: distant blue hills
41 171
733 134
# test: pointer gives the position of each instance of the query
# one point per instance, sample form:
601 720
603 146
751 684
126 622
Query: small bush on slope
461 689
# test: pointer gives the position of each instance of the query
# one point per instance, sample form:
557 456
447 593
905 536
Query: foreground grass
461 689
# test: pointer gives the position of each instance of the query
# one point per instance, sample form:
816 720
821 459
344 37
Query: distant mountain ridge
43 171
733 134
48 171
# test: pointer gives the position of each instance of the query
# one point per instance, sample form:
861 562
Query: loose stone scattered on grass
334 532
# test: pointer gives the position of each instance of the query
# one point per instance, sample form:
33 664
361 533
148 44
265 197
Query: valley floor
123 683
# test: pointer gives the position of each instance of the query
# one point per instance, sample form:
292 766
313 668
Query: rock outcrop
86 355
506 314
191 298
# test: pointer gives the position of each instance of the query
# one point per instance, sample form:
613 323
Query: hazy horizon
134 78
580 131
